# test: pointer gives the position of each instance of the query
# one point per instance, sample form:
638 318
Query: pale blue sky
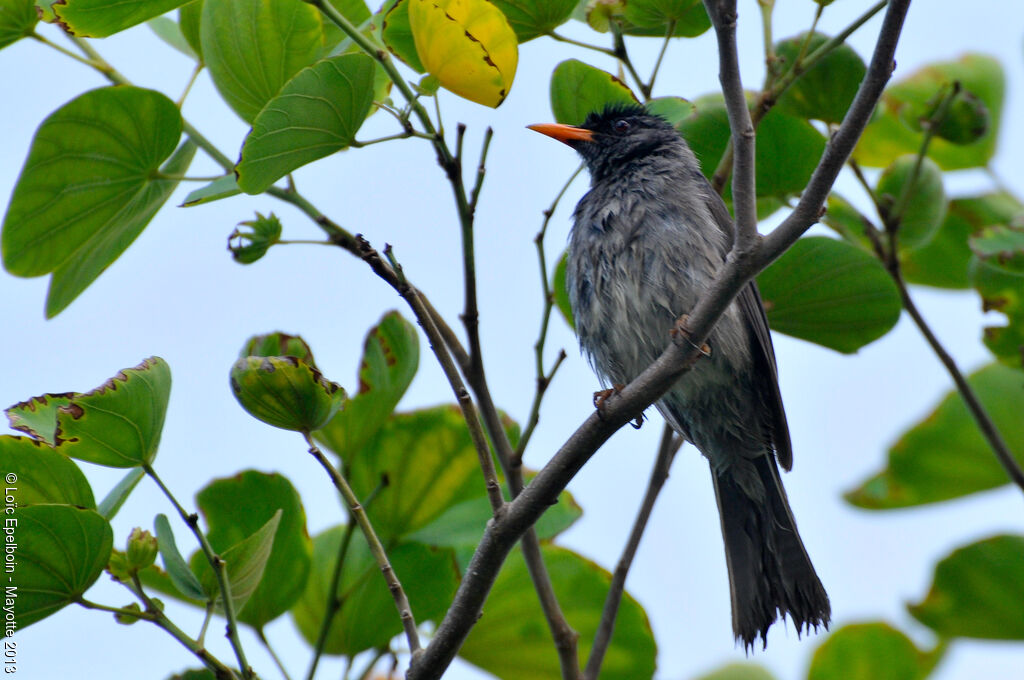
176 293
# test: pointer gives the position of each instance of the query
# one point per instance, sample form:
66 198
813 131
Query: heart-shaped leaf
831 293
578 89
254 48
239 506
945 456
119 423
60 552
468 45
41 475
89 186
315 114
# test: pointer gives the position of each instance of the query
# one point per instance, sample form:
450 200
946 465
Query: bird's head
608 140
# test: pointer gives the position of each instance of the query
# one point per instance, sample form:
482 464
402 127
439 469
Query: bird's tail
770 574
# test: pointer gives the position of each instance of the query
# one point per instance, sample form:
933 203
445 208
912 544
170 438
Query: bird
647 241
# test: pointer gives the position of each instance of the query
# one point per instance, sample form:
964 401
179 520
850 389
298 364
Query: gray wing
766 376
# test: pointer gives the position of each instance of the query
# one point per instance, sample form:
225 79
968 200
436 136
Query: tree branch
667 449
744 197
622 407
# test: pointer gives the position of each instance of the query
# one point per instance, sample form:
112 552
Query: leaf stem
219 569
273 655
376 547
649 87
587 46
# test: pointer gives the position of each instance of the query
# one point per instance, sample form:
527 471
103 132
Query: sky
177 294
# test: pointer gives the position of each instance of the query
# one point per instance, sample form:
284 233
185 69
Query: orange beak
564 133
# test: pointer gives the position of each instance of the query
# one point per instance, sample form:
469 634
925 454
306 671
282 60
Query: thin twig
376 547
985 425
219 569
647 88
776 86
542 379
744 196
667 449
622 407
273 655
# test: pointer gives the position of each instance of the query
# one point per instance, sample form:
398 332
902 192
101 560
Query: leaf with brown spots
391 355
119 423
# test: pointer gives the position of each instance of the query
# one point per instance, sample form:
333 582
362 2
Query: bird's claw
680 330
601 396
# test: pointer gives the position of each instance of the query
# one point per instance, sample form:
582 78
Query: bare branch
667 449
619 409
744 197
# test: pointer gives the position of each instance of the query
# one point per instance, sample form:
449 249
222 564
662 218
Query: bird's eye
621 126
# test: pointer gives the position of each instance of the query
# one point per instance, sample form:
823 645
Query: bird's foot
681 331
601 396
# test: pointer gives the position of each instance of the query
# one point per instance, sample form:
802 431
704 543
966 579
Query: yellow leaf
468 45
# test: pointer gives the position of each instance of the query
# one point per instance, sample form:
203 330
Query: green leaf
37 417
244 563
461 526
533 18
222 187
119 423
316 114
739 671
826 90
976 591
1001 291
17 20
672 109
100 18
248 246
367 617
78 272
169 31
285 392
652 18
113 501
846 221
397 35
41 475
254 48
60 552
562 292
895 130
429 462
513 619
1001 246
278 344
871 651
831 293
925 206
578 89
89 186
189 16
391 355
177 569
237 507
788 148
468 45
945 456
